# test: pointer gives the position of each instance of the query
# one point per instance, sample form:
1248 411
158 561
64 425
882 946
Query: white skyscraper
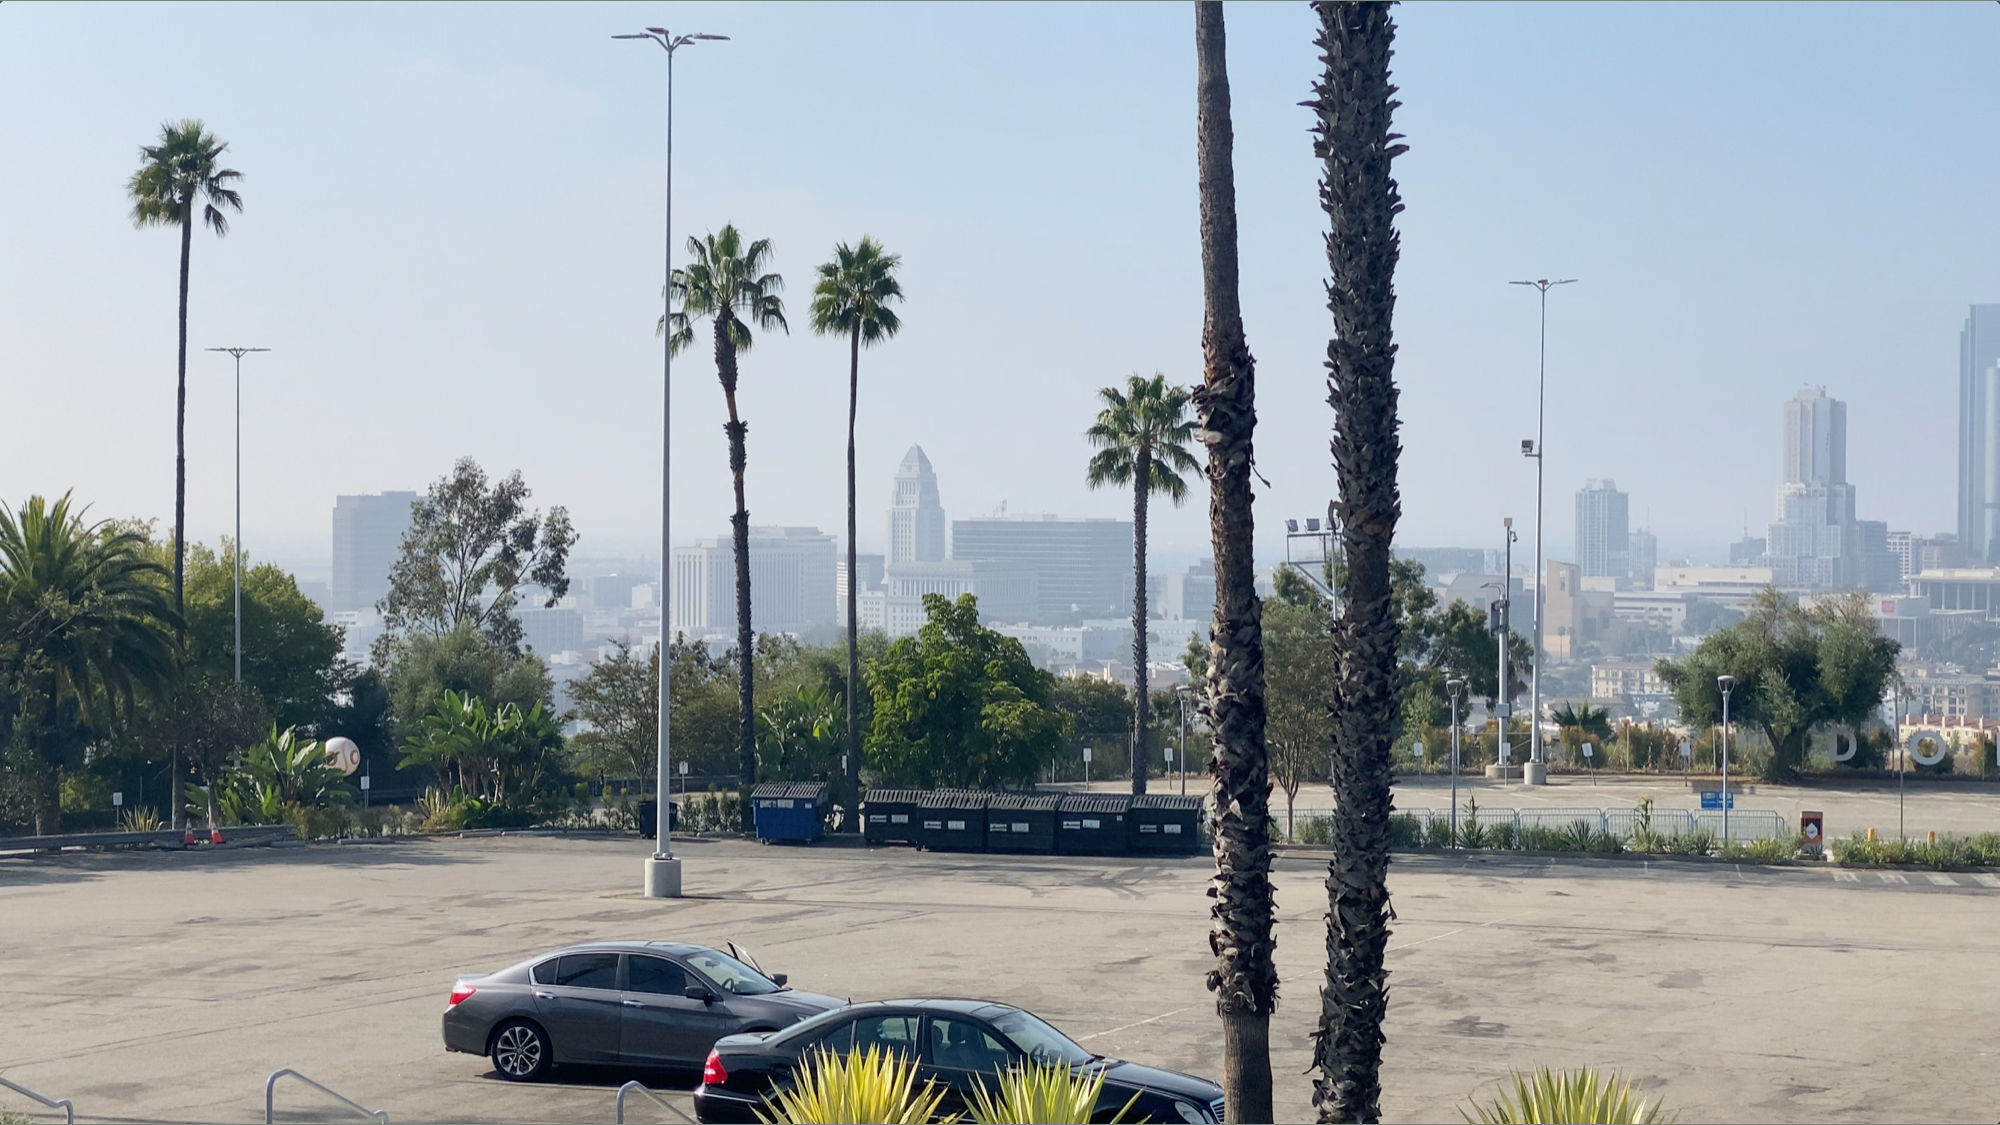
1815 541
1602 529
916 516
367 539
791 583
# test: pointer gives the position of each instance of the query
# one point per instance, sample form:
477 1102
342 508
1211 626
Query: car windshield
730 974
1038 1040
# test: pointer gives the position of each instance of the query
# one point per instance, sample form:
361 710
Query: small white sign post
1590 759
684 774
1086 769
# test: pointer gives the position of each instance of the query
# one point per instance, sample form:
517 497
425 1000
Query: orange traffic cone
215 835
187 837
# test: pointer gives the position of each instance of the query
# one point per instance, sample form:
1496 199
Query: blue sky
452 240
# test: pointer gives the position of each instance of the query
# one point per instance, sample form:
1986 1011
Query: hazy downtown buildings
916 515
367 538
1082 567
870 567
1642 554
1004 589
552 630
1602 530
791 583
1814 542
1979 434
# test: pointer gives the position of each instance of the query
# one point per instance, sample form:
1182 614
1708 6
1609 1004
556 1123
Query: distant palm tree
853 298
86 630
184 167
1142 435
1354 101
726 282
1245 976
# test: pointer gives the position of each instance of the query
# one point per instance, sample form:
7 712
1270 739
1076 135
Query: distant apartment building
1451 560
1643 554
1902 546
1949 695
916 515
1082 567
1603 535
791 583
1573 616
1615 680
1731 586
551 630
611 591
1069 645
367 539
1880 571
1187 595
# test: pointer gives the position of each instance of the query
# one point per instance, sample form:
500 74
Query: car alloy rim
520 1051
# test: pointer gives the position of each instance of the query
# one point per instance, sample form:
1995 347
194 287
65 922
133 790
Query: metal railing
69 1111
1744 824
272 1082
657 1100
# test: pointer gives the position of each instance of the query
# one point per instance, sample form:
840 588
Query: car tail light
713 1073
460 992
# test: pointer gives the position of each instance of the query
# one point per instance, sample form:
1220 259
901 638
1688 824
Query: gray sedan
618 1003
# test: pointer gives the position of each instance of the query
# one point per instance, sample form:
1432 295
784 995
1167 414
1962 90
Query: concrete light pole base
1534 773
1502 773
663 876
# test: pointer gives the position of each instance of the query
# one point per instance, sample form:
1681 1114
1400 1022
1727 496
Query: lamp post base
663 876
1534 773
1502 773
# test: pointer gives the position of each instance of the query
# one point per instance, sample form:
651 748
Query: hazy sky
451 239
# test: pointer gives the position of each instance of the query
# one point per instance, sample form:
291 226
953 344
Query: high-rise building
791 583
367 538
1979 434
1182 596
1643 554
870 567
1903 546
1815 541
552 630
916 516
1083 567
1602 531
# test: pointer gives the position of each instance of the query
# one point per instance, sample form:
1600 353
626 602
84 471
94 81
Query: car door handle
545 995
632 1003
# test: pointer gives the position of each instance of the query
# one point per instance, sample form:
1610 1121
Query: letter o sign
1914 743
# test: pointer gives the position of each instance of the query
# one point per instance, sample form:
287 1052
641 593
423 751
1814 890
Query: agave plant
1043 1094
1578 1097
833 1089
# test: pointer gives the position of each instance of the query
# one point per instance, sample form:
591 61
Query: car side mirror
779 979
697 992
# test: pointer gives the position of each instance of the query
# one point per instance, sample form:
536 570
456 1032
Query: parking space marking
1941 880
1846 877
1130 1026
1987 880
1892 877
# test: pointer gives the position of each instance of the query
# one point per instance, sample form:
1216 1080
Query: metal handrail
69 1111
657 1100
272 1082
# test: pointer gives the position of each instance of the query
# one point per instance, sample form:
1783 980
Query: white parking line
1987 880
1942 880
1846 877
1130 1026
1892 877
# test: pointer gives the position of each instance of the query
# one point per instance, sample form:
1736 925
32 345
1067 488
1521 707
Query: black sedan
954 1042
629 1003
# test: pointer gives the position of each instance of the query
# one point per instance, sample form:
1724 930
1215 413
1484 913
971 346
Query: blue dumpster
792 812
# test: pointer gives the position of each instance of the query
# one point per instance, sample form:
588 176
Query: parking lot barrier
670 1107
272 1082
69 1111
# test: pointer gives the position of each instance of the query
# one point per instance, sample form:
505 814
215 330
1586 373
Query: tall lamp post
1536 771
239 353
663 870
1455 689
1727 684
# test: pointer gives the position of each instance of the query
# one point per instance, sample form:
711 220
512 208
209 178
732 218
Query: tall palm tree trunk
1245 978
1142 479
1354 101
175 786
739 524
853 755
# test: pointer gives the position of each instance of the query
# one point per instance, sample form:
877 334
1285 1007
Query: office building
1187 595
1979 434
1747 551
1451 560
1880 569
1005 591
916 515
367 540
611 591
1083 567
553 630
1902 545
870 568
1642 553
1814 542
1602 530
791 583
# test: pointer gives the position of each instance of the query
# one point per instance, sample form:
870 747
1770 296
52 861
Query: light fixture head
1725 683
1527 447
1312 525
1292 526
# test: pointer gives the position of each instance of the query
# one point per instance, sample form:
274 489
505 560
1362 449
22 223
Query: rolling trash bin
1163 824
1022 822
1091 824
889 816
791 812
952 820
648 816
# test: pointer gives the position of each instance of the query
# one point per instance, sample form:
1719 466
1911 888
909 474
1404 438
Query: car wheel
521 1052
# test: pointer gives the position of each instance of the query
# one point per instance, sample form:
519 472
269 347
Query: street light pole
1183 692
1456 690
1536 771
239 353
1727 684
663 870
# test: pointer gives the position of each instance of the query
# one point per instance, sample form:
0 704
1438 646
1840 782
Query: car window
731 975
655 974
895 1034
545 973
1039 1041
966 1045
588 970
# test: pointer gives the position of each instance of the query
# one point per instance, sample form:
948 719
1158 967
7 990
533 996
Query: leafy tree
726 282
1298 678
1584 718
465 661
1795 667
1245 976
469 539
362 712
852 299
1101 718
215 720
86 632
294 770
618 703
802 736
1141 434
504 754
1706 615
183 168
291 656
959 704
1353 102
705 696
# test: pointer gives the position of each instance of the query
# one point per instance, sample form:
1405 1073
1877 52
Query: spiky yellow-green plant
834 1088
1041 1094
1576 1097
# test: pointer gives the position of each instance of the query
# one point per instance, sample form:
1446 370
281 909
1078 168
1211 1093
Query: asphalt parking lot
166 986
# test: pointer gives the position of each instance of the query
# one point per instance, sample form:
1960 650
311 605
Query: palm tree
86 630
175 173
1245 977
1141 437
725 281
853 297
1354 100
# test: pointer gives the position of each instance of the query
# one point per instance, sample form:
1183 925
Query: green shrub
1471 833
1699 841
328 823
1504 835
875 1086
1043 1094
1437 831
1405 831
1858 850
1778 850
1316 830
1536 838
1581 1097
